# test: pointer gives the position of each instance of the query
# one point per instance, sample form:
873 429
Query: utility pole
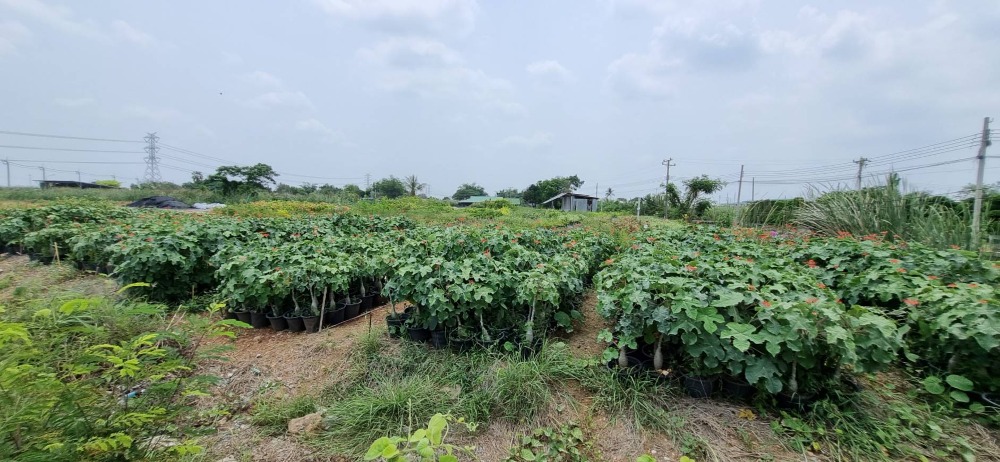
739 188
7 164
861 164
79 181
638 205
597 188
753 187
666 188
152 162
368 184
44 178
977 208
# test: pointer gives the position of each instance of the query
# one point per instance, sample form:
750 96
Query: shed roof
571 194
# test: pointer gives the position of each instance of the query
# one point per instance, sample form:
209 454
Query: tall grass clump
885 209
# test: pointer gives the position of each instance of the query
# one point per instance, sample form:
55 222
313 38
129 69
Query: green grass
272 414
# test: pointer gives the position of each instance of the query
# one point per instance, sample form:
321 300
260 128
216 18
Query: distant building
478 199
71 184
572 202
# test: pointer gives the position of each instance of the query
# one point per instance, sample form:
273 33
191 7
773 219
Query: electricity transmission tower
152 162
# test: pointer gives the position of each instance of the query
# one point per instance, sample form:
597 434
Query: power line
43 135
38 148
846 178
76 162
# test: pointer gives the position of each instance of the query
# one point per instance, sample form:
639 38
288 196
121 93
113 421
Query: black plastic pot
737 388
244 316
295 324
352 310
394 324
311 323
795 401
699 387
259 320
418 334
229 315
439 338
337 316
278 323
990 400
367 302
461 345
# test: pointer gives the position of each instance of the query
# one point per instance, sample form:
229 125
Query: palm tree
607 194
414 185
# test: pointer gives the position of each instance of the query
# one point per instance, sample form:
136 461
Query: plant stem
486 334
622 358
658 354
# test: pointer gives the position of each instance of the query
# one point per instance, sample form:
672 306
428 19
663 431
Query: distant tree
156 185
468 190
390 187
692 202
328 189
353 189
546 189
109 183
308 188
236 179
509 193
413 185
287 189
607 194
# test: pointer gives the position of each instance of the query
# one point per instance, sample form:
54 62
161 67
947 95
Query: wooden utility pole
861 164
977 208
666 188
739 188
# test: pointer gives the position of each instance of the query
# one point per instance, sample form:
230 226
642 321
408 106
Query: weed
272 414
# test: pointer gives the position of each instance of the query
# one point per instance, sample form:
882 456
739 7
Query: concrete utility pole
7 164
79 181
753 187
977 208
368 184
152 162
861 164
666 188
638 205
739 188
44 178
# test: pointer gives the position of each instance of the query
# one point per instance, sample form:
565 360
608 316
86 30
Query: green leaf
933 385
526 454
959 382
959 396
728 298
447 458
375 450
435 428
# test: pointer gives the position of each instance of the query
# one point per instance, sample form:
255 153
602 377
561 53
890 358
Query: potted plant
395 321
276 317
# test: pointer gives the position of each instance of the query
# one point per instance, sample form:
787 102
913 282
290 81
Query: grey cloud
12 33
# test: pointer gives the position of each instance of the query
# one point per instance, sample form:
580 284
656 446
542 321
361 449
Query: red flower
765 303
894 261
911 301
811 263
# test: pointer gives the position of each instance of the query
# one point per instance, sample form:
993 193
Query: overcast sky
504 93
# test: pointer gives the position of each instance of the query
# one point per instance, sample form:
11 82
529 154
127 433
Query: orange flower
954 247
973 285
933 278
765 303
751 287
901 270
820 285
984 301
690 267
609 261
911 301
812 300
953 285
894 261
811 263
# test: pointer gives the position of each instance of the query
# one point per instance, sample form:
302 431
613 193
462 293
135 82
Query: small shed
572 202
478 199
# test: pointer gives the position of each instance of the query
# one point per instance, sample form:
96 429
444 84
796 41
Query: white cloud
405 52
57 17
280 99
129 33
262 79
11 34
74 102
407 16
327 134
430 69
534 141
154 114
63 19
549 70
275 92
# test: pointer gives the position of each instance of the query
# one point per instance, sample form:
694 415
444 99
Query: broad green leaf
959 382
933 385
